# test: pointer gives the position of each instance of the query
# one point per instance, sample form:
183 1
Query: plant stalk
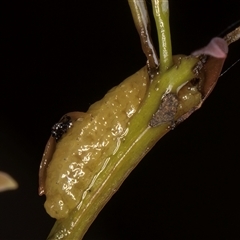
161 15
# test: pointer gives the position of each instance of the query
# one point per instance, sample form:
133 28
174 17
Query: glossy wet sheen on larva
83 151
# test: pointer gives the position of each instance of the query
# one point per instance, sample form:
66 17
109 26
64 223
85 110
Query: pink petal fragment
7 182
217 48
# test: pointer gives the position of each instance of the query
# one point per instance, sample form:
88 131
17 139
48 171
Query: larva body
83 151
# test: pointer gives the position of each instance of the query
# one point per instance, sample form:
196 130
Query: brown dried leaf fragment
212 58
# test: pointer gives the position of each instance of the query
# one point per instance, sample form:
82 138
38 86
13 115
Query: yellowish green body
84 151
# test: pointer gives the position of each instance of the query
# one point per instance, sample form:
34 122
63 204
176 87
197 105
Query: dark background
62 56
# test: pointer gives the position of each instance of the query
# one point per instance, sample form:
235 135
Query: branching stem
142 23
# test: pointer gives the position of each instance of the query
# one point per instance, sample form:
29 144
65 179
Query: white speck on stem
165 6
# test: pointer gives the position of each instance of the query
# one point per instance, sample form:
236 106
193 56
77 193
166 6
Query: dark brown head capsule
61 127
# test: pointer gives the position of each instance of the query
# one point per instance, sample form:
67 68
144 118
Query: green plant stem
161 15
140 138
142 24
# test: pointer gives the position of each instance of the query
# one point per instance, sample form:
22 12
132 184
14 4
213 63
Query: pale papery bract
7 182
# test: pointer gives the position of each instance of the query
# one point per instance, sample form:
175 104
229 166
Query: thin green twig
142 23
161 15
233 36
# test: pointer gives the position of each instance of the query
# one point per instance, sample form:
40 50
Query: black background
62 56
